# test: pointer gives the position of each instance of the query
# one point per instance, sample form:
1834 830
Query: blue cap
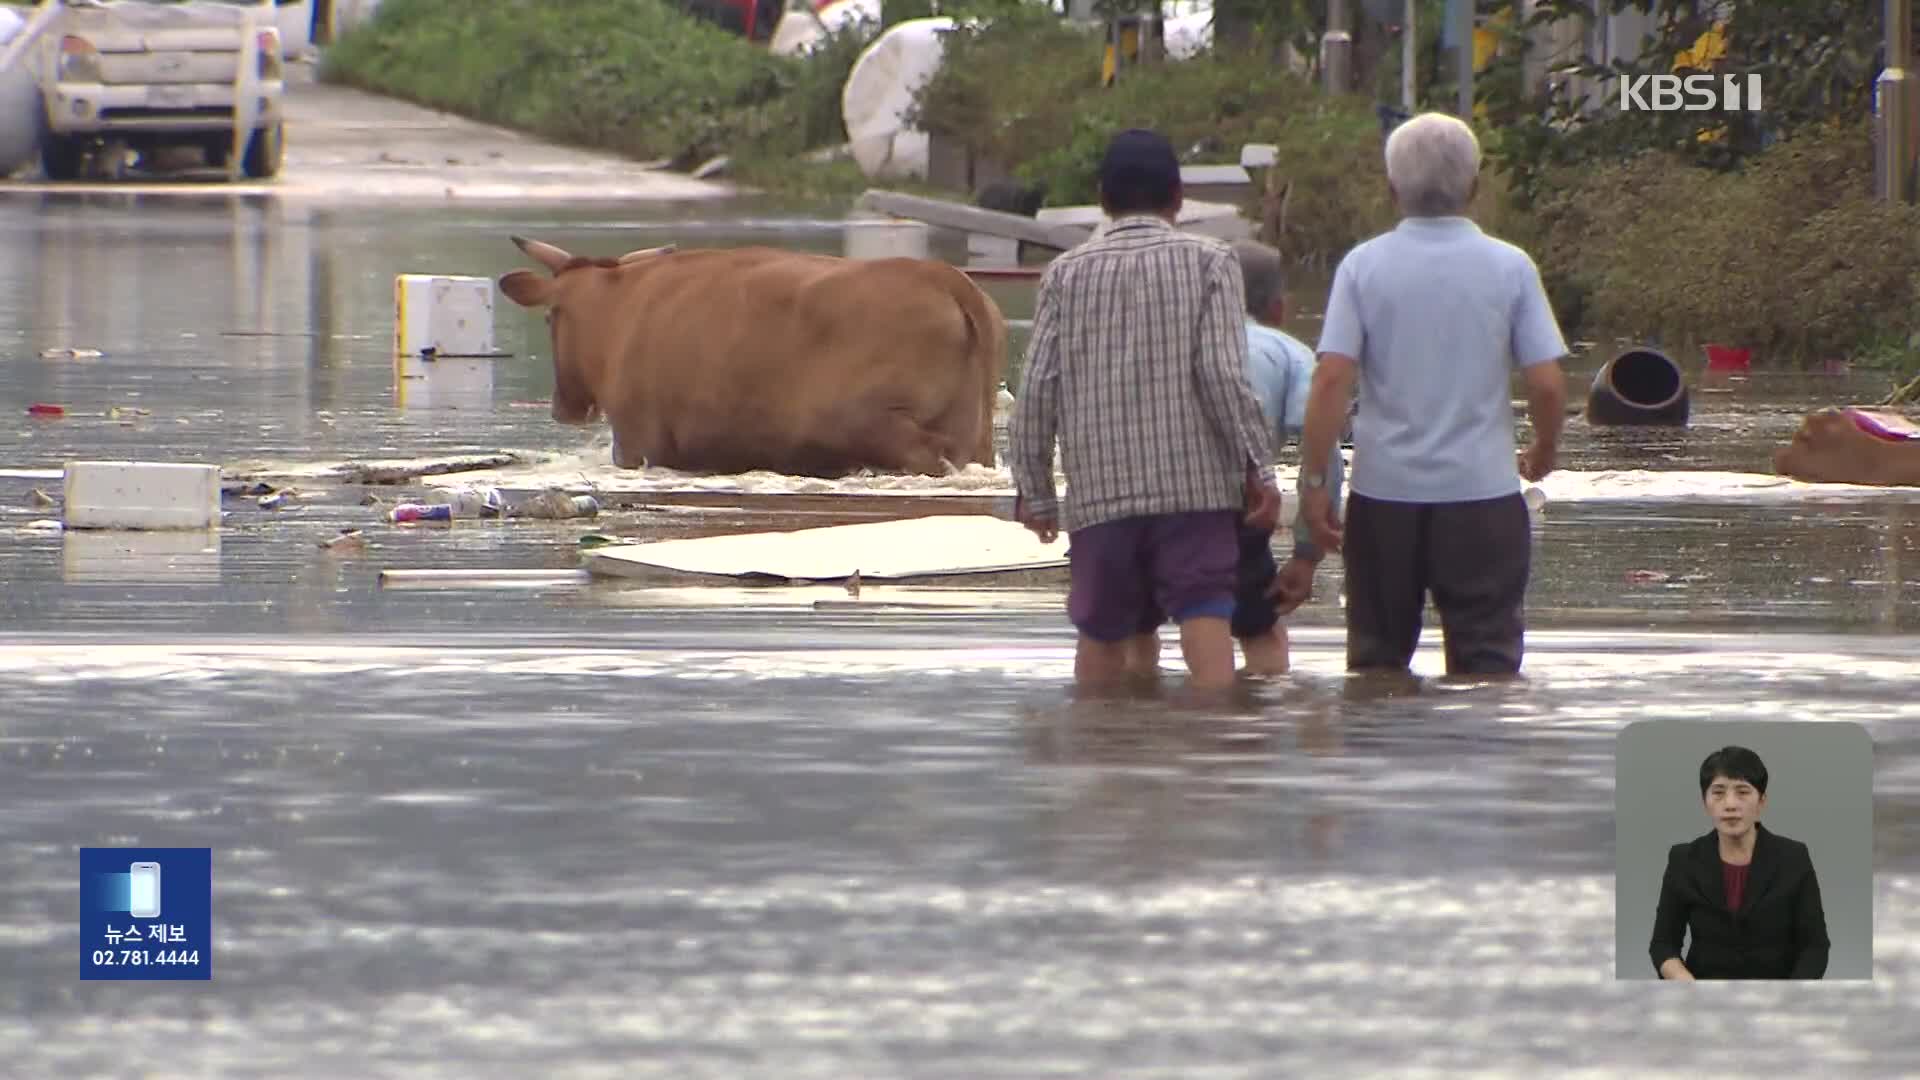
1141 160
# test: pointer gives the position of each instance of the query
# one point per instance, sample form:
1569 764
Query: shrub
639 77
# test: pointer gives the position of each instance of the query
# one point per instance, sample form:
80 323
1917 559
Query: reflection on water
596 831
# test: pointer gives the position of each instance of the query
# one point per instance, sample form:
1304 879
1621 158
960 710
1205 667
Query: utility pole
1461 12
1409 55
1336 48
1896 108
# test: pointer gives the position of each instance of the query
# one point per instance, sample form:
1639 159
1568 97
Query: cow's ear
526 288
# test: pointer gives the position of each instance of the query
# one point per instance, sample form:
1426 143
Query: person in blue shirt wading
1431 320
1280 367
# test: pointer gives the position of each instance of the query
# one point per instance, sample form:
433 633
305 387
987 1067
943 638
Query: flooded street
607 830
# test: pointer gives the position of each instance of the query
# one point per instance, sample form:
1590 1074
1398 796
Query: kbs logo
1692 93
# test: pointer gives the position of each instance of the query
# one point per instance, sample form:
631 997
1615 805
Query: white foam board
942 545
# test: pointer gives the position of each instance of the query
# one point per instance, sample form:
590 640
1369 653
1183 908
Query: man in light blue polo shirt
1430 321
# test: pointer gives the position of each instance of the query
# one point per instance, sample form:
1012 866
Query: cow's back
787 347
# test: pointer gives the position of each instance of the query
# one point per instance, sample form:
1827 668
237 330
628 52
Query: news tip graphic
146 913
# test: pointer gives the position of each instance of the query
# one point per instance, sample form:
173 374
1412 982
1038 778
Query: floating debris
409 512
70 354
43 409
38 498
348 540
556 506
399 472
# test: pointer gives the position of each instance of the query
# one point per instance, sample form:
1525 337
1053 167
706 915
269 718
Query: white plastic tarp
880 89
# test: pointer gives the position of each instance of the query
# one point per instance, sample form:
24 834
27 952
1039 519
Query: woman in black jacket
1749 895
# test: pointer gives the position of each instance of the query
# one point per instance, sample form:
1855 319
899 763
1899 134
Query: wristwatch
1313 480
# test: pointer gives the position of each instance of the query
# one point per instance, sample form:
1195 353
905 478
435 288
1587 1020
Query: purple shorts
1129 576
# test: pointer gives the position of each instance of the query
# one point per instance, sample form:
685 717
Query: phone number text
141 957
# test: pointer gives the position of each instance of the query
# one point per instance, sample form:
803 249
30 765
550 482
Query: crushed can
406 512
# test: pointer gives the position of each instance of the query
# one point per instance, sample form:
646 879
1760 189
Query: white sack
880 88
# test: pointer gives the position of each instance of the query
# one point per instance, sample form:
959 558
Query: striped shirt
1138 367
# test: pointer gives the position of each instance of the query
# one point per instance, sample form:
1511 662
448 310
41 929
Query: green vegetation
1681 228
1026 91
638 77
1790 255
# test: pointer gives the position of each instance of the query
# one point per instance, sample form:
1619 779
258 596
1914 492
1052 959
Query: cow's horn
636 256
549 256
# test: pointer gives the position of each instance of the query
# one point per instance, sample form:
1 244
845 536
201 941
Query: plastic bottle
558 505
420 512
1536 504
470 502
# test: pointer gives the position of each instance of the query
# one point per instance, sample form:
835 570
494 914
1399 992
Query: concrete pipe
1639 387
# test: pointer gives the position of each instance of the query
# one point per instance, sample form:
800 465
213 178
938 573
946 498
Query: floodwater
596 830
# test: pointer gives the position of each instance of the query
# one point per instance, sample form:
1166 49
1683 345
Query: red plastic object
46 410
1728 358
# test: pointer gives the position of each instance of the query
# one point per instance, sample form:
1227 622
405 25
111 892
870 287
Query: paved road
345 145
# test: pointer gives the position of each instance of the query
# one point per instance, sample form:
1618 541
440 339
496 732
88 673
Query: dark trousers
1474 557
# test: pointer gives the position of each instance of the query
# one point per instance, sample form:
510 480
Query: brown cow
734 359
1830 447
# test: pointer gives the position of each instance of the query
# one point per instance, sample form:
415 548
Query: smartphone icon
145 893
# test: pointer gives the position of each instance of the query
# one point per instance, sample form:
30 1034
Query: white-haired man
1430 320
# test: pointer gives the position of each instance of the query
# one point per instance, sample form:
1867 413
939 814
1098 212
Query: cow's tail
986 355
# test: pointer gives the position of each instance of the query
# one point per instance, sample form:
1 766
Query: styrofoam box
885 238
984 250
452 315
142 495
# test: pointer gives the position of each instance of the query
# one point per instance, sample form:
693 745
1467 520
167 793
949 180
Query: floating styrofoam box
984 250
142 495
159 558
455 383
886 238
444 313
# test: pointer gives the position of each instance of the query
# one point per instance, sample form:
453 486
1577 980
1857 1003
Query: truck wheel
264 153
61 156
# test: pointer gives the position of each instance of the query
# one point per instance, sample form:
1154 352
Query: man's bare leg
1100 665
1266 653
1143 655
1207 643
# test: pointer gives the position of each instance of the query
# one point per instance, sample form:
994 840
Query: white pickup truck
145 76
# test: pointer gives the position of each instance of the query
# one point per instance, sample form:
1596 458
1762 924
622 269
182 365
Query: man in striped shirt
1137 366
